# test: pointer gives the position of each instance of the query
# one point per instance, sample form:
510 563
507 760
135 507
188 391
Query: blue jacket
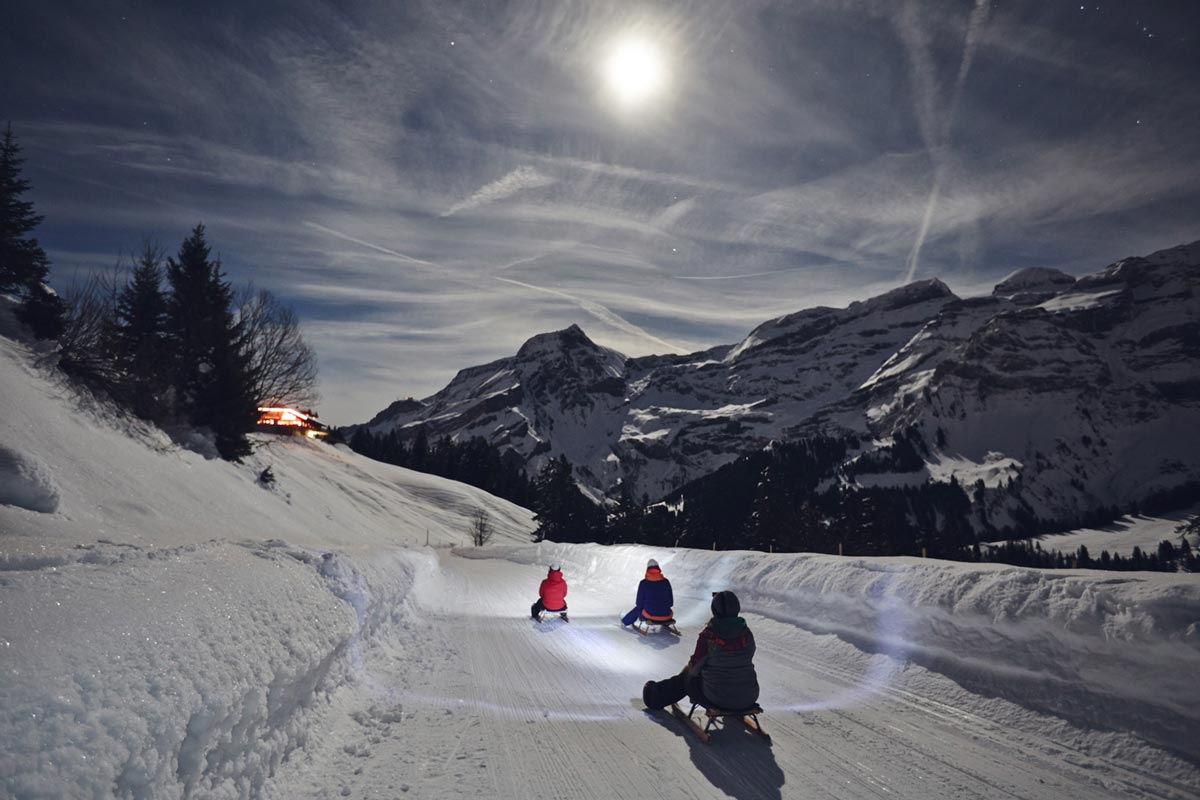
654 598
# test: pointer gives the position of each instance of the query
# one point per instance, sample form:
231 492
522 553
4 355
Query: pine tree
24 267
418 453
188 320
227 405
210 368
564 514
771 521
139 337
625 520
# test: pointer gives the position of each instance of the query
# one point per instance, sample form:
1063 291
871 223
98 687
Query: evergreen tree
139 337
189 316
228 405
418 454
210 375
772 523
24 267
564 514
625 520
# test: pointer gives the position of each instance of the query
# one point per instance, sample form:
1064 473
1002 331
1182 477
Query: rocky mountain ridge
1048 399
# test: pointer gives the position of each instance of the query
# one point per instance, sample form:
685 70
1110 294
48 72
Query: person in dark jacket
552 594
720 673
654 598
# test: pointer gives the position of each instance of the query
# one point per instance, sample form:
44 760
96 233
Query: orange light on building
284 416
291 421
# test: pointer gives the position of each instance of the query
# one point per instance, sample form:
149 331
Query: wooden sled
747 716
645 627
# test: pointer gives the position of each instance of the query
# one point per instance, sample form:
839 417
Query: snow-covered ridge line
1116 653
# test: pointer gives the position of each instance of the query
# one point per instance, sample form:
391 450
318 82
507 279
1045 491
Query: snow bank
193 671
25 483
1111 651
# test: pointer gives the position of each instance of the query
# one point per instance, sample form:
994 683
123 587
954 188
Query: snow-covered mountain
1056 398
1061 395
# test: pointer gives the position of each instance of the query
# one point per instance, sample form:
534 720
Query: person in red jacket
552 595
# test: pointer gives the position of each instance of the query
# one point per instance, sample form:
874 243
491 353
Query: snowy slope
169 629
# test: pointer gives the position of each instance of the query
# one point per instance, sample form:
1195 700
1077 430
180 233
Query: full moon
634 70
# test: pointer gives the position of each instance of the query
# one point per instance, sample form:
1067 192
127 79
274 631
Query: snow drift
25 483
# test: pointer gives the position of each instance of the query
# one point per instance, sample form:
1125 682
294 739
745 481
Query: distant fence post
839 548
922 552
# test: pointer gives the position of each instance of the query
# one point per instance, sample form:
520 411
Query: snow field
1122 534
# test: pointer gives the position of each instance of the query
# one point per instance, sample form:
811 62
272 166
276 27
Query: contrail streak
368 245
734 277
598 311
926 219
937 137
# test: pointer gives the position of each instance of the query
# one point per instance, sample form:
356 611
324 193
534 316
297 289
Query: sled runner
746 716
645 627
545 615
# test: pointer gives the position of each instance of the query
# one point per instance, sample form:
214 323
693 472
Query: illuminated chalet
290 421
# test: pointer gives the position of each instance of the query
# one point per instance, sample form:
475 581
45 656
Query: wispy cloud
520 179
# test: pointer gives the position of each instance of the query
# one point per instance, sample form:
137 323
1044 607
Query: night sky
432 183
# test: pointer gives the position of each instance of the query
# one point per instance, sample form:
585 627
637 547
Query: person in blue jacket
654 599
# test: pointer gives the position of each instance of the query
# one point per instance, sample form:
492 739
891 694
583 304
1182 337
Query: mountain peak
567 338
398 408
1034 279
909 294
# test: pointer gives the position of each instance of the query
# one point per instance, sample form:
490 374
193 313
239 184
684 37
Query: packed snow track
477 700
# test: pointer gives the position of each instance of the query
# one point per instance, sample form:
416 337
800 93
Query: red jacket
553 591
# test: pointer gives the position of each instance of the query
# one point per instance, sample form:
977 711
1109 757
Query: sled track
497 705
949 729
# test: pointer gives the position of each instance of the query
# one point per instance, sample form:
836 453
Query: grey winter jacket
724 662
